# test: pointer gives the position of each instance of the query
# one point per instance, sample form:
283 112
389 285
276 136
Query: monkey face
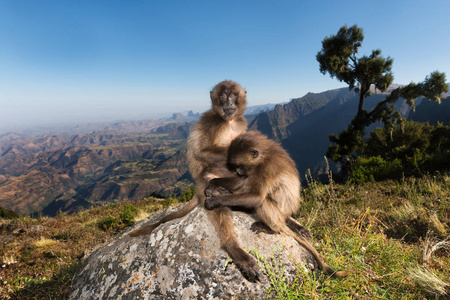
242 163
228 99
243 154
237 161
239 170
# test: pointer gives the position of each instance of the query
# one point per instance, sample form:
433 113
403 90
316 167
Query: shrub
375 168
128 213
126 217
188 195
8 214
108 223
410 149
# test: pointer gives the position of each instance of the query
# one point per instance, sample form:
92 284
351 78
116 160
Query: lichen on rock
181 259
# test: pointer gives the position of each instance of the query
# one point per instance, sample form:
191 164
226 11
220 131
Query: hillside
432 112
391 235
132 160
64 172
122 161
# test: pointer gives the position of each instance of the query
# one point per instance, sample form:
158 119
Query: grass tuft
141 215
44 243
431 245
429 282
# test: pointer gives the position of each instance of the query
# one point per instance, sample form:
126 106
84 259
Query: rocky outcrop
182 259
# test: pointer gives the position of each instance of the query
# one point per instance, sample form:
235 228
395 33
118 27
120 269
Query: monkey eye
254 153
232 95
224 96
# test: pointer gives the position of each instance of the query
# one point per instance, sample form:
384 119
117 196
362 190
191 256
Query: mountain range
52 173
131 160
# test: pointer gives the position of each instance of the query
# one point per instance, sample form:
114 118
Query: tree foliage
338 57
411 149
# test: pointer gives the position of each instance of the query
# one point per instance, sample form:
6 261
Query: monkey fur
208 143
265 180
207 154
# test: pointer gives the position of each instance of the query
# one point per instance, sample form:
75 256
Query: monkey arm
247 200
211 155
231 184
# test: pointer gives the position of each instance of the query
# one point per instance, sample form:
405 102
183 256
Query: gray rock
29 229
7 239
182 259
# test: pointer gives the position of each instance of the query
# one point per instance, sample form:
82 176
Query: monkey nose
240 171
229 111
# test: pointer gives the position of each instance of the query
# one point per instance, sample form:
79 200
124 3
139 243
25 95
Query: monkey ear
254 153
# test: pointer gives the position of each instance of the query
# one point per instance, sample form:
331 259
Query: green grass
392 235
379 231
42 265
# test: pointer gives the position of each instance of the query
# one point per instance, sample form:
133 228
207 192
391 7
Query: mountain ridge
303 125
65 172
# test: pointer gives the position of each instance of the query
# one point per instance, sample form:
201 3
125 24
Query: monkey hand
212 202
258 227
215 190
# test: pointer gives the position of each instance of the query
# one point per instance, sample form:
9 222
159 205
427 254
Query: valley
131 160
66 172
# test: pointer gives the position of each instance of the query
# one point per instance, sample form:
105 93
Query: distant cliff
275 123
432 112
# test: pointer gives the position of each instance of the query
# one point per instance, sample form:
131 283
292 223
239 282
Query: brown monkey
207 154
266 180
208 143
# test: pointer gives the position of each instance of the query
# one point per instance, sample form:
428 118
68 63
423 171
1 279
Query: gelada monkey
266 181
207 154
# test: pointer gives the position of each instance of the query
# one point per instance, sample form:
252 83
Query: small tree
338 57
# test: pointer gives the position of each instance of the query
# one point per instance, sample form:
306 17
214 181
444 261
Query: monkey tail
322 265
184 210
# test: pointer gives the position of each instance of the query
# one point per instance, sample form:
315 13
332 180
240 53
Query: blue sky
78 61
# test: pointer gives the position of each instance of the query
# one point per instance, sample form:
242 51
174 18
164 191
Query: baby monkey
266 181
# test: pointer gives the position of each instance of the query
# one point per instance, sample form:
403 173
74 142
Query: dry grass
44 242
429 282
141 215
437 224
8 260
406 211
379 231
431 245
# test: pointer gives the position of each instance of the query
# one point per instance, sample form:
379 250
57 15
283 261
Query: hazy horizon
107 61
